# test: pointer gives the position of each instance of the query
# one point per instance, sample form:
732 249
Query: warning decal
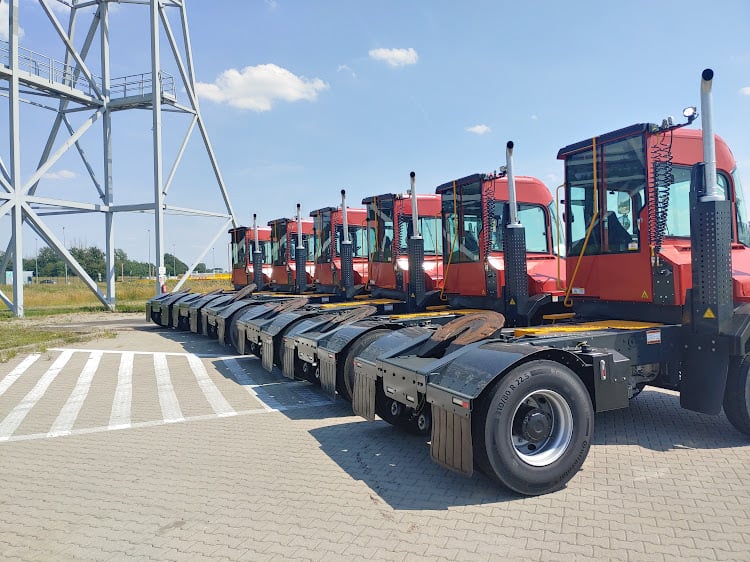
709 314
653 336
644 295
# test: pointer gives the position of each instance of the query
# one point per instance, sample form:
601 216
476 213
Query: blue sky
302 98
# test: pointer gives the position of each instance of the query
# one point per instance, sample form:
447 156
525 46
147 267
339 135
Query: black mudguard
452 391
365 366
332 347
270 334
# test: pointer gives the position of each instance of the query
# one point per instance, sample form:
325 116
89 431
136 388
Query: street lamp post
213 250
36 260
149 253
174 262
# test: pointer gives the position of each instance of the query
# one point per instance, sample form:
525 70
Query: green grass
131 296
15 337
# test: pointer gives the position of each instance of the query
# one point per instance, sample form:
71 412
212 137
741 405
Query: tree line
92 260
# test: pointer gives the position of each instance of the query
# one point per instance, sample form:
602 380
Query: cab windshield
462 217
380 229
239 251
265 250
322 225
278 243
532 217
429 229
358 238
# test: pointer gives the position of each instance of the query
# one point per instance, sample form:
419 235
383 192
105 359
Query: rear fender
366 370
332 352
453 393
474 371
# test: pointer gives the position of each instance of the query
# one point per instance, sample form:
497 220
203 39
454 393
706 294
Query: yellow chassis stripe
584 327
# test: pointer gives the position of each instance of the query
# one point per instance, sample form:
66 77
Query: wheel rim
395 408
423 422
542 427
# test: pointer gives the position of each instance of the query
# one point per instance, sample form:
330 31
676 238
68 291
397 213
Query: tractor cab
475 214
389 227
627 215
242 246
283 242
328 231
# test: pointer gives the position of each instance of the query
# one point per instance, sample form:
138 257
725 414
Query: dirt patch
87 321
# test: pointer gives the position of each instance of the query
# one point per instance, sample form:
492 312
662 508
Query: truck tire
737 394
234 333
345 382
389 410
533 429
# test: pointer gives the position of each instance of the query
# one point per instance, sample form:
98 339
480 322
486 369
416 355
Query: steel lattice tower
72 87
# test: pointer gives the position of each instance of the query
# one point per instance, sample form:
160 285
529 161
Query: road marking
136 425
219 357
243 379
120 417
302 395
9 425
210 391
19 370
170 407
268 401
69 413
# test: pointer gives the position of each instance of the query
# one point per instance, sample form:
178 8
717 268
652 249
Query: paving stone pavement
162 445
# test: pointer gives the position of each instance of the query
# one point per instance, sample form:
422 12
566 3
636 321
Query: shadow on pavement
397 465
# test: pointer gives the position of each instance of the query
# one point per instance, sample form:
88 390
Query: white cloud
258 87
61 175
272 4
395 57
345 68
535 117
745 91
479 129
4 19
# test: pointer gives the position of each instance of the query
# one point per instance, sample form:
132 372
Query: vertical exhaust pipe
414 208
707 349
300 256
347 251
513 218
257 257
709 142
415 290
516 279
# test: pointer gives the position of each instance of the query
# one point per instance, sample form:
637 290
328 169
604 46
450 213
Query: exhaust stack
709 142
414 209
415 290
711 297
300 256
347 251
516 278
257 257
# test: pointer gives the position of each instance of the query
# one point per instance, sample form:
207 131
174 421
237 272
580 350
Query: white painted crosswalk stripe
9 425
69 413
170 407
120 417
210 391
247 383
16 373
268 396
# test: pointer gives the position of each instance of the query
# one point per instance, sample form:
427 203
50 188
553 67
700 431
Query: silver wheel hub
542 427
